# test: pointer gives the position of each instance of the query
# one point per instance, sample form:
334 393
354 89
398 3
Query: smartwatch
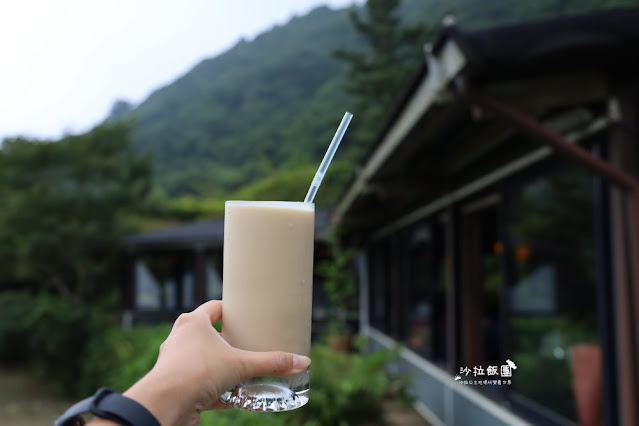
110 405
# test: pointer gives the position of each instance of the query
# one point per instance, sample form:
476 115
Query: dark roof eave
511 52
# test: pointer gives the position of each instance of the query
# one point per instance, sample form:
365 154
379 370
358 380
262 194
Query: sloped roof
602 39
208 233
435 140
203 234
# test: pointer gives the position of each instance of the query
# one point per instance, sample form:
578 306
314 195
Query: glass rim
281 204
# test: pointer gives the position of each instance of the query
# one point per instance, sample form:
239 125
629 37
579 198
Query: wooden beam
625 257
200 275
548 92
550 137
620 172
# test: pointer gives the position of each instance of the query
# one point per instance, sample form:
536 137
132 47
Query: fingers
272 364
213 309
217 405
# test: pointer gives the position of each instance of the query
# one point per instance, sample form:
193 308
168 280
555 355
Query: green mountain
270 106
264 105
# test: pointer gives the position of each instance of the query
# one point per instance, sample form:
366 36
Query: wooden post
200 275
130 282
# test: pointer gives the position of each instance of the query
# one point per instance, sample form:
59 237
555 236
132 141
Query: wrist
162 396
110 408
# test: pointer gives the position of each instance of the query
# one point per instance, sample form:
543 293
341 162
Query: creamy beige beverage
267 275
267 294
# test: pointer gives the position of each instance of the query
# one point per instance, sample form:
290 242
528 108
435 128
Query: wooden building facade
497 223
174 270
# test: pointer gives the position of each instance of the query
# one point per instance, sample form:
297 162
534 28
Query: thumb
272 364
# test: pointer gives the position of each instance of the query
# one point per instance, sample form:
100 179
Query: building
497 222
173 270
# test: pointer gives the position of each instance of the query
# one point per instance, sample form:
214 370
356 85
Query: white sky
64 62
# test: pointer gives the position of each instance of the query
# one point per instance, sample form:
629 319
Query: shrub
76 351
346 389
14 310
48 333
58 331
74 348
244 418
119 357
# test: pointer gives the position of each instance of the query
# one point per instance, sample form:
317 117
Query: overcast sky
64 62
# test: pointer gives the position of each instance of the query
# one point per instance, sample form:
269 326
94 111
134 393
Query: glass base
269 393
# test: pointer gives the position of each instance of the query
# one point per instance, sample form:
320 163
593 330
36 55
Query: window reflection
420 282
414 277
379 309
213 282
552 299
147 288
425 284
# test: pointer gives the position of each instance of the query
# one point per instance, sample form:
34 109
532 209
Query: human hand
196 365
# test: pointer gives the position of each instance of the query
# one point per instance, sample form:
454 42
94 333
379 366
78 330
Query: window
552 300
147 288
425 289
213 277
480 291
379 297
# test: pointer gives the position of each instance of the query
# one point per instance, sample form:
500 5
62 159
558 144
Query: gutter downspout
628 287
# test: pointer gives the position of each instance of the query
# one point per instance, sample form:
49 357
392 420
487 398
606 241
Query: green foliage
271 104
346 389
58 332
379 71
292 185
50 334
244 418
14 309
77 351
544 344
189 207
339 284
262 106
117 357
393 53
62 208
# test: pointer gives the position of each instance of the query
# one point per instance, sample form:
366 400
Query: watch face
76 421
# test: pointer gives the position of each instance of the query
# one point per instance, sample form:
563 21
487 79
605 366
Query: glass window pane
552 301
188 291
379 274
213 282
147 288
420 286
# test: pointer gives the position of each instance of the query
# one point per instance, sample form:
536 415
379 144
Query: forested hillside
268 107
262 106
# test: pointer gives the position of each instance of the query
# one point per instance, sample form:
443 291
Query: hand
196 365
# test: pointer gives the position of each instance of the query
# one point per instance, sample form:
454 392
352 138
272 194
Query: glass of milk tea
267 294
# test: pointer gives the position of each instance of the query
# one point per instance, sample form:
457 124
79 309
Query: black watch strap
108 404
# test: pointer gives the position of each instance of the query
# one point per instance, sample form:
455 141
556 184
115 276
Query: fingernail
301 362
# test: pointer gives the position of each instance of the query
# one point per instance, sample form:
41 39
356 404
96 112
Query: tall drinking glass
267 293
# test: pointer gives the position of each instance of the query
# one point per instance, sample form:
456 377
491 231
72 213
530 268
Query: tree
376 76
62 209
120 110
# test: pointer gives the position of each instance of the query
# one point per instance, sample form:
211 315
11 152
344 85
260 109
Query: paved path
398 414
25 402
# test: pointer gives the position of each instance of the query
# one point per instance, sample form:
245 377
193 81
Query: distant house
497 221
173 270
